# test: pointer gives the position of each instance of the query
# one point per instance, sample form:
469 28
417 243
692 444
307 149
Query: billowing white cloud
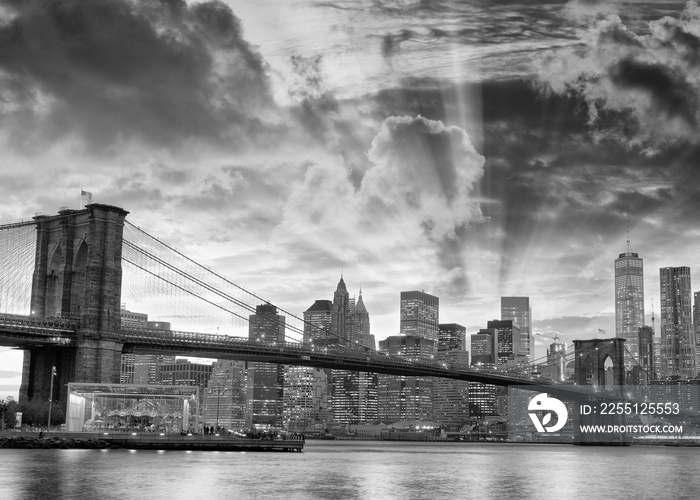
406 214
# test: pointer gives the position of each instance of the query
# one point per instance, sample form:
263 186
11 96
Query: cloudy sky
471 149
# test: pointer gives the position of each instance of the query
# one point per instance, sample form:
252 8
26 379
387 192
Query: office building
452 337
306 400
645 341
353 394
518 310
142 369
360 327
676 324
696 324
508 346
265 380
184 372
341 324
420 316
224 398
451 397
629 302
484 347
402 397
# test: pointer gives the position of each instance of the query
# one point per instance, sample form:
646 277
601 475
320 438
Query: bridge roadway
25 332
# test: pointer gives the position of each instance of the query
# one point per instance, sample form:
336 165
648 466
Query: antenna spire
629 245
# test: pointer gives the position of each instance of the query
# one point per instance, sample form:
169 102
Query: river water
357 470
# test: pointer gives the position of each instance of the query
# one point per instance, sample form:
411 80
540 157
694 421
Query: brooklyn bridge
62 281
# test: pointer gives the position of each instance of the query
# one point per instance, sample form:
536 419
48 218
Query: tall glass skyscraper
518 310
677 335
420 316
629 301
265 380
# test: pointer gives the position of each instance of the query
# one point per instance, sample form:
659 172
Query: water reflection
357 470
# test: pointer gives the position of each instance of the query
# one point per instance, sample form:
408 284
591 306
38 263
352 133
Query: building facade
645 341
676 324
225 398
353 394
306 399
420 316
507 337
403 397
518 310
265 381
484 347
317 320
629 301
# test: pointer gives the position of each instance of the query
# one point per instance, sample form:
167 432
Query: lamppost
219 391
53 374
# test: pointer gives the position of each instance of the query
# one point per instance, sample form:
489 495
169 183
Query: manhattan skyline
471 151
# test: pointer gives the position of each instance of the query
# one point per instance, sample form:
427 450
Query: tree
8 408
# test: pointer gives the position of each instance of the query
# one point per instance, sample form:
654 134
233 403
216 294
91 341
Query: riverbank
134 441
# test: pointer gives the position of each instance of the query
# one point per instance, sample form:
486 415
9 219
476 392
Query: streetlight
53 374
219 391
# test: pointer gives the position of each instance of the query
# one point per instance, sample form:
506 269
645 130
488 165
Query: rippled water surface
362 470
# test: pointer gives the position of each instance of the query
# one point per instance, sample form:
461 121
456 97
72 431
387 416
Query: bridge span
25 332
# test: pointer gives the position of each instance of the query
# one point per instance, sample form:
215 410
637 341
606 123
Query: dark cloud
640 85
671 92
547 179
111 71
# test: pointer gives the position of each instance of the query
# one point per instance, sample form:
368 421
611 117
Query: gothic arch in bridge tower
54 282
599 362
78 282
586 367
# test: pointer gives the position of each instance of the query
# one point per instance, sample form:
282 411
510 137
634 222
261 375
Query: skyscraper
340 323
452 337
317 321
696 323
265 380
305 397
420 316
677 335
484 347
518 310
507 340
353 394
401 397
629 301
225 395
360 335
646 354
451 397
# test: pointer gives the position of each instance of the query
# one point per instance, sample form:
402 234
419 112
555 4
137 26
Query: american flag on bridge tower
85 198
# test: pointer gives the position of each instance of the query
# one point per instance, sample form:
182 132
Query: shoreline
100 441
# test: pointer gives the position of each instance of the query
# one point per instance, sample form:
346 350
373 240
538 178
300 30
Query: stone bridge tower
77 274
599 362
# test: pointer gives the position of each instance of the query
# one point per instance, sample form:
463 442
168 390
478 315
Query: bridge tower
77 274
599 362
